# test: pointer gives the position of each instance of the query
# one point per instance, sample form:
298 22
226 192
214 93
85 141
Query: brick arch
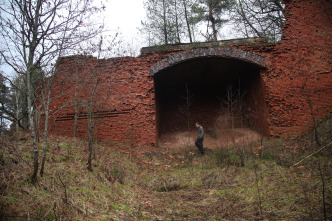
207 52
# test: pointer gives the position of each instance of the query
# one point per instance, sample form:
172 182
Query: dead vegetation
255 181
213 139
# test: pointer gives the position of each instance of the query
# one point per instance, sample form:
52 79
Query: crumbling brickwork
294 74
124 107
299 72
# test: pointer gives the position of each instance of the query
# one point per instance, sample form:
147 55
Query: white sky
125 15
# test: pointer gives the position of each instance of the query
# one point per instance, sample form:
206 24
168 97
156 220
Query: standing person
200 138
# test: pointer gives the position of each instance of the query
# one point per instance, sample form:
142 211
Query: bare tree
87 88
307 94
185 108
90 78
192 16
157 22
92 123
186 16
94 80
37 32
170 21
262 18
19 100
13 102
79 85
3 98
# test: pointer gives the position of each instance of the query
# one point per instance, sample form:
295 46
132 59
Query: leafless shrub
213 179
165 184
114 174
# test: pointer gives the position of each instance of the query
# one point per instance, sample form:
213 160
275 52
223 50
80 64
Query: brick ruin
137 99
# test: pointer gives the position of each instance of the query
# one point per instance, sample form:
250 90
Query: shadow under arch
205 82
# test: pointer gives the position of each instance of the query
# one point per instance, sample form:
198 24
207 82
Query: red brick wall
297 68
124 99
303 57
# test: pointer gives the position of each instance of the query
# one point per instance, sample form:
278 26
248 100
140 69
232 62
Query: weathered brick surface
293 73
300 67
226 52
123 102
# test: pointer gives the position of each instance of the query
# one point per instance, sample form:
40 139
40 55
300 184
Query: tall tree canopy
170 21
214 12
175 21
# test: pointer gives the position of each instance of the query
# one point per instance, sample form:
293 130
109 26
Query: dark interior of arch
217 92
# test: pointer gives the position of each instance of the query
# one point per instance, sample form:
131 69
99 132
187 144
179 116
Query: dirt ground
212 139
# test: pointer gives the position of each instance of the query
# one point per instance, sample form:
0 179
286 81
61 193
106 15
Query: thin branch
312 154
323 191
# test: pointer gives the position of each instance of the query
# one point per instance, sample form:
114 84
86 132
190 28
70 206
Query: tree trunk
90 136
306 92
213 24
76 111
75 120
90 123
32 127
187 20
165 22
45 132
188 103
17 111
25 110
37 123
177 22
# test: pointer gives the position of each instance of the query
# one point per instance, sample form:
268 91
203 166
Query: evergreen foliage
176 21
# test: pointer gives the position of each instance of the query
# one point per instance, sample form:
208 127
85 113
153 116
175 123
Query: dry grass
213 138
159 183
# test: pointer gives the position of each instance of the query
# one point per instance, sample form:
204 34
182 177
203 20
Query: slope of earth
269 180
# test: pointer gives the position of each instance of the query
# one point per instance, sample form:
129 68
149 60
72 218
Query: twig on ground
259 195
65 199
312 154
323 191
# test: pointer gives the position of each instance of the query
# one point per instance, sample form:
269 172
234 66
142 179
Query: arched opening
221 93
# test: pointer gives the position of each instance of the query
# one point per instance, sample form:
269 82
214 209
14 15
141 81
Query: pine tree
213 13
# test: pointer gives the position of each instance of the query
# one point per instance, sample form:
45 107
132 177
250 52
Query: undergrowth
271 180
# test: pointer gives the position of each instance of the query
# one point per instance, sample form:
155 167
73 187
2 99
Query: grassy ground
252 182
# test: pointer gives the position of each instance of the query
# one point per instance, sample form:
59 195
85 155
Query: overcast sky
125 15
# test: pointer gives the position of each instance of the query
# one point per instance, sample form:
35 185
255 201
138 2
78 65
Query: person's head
197 124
